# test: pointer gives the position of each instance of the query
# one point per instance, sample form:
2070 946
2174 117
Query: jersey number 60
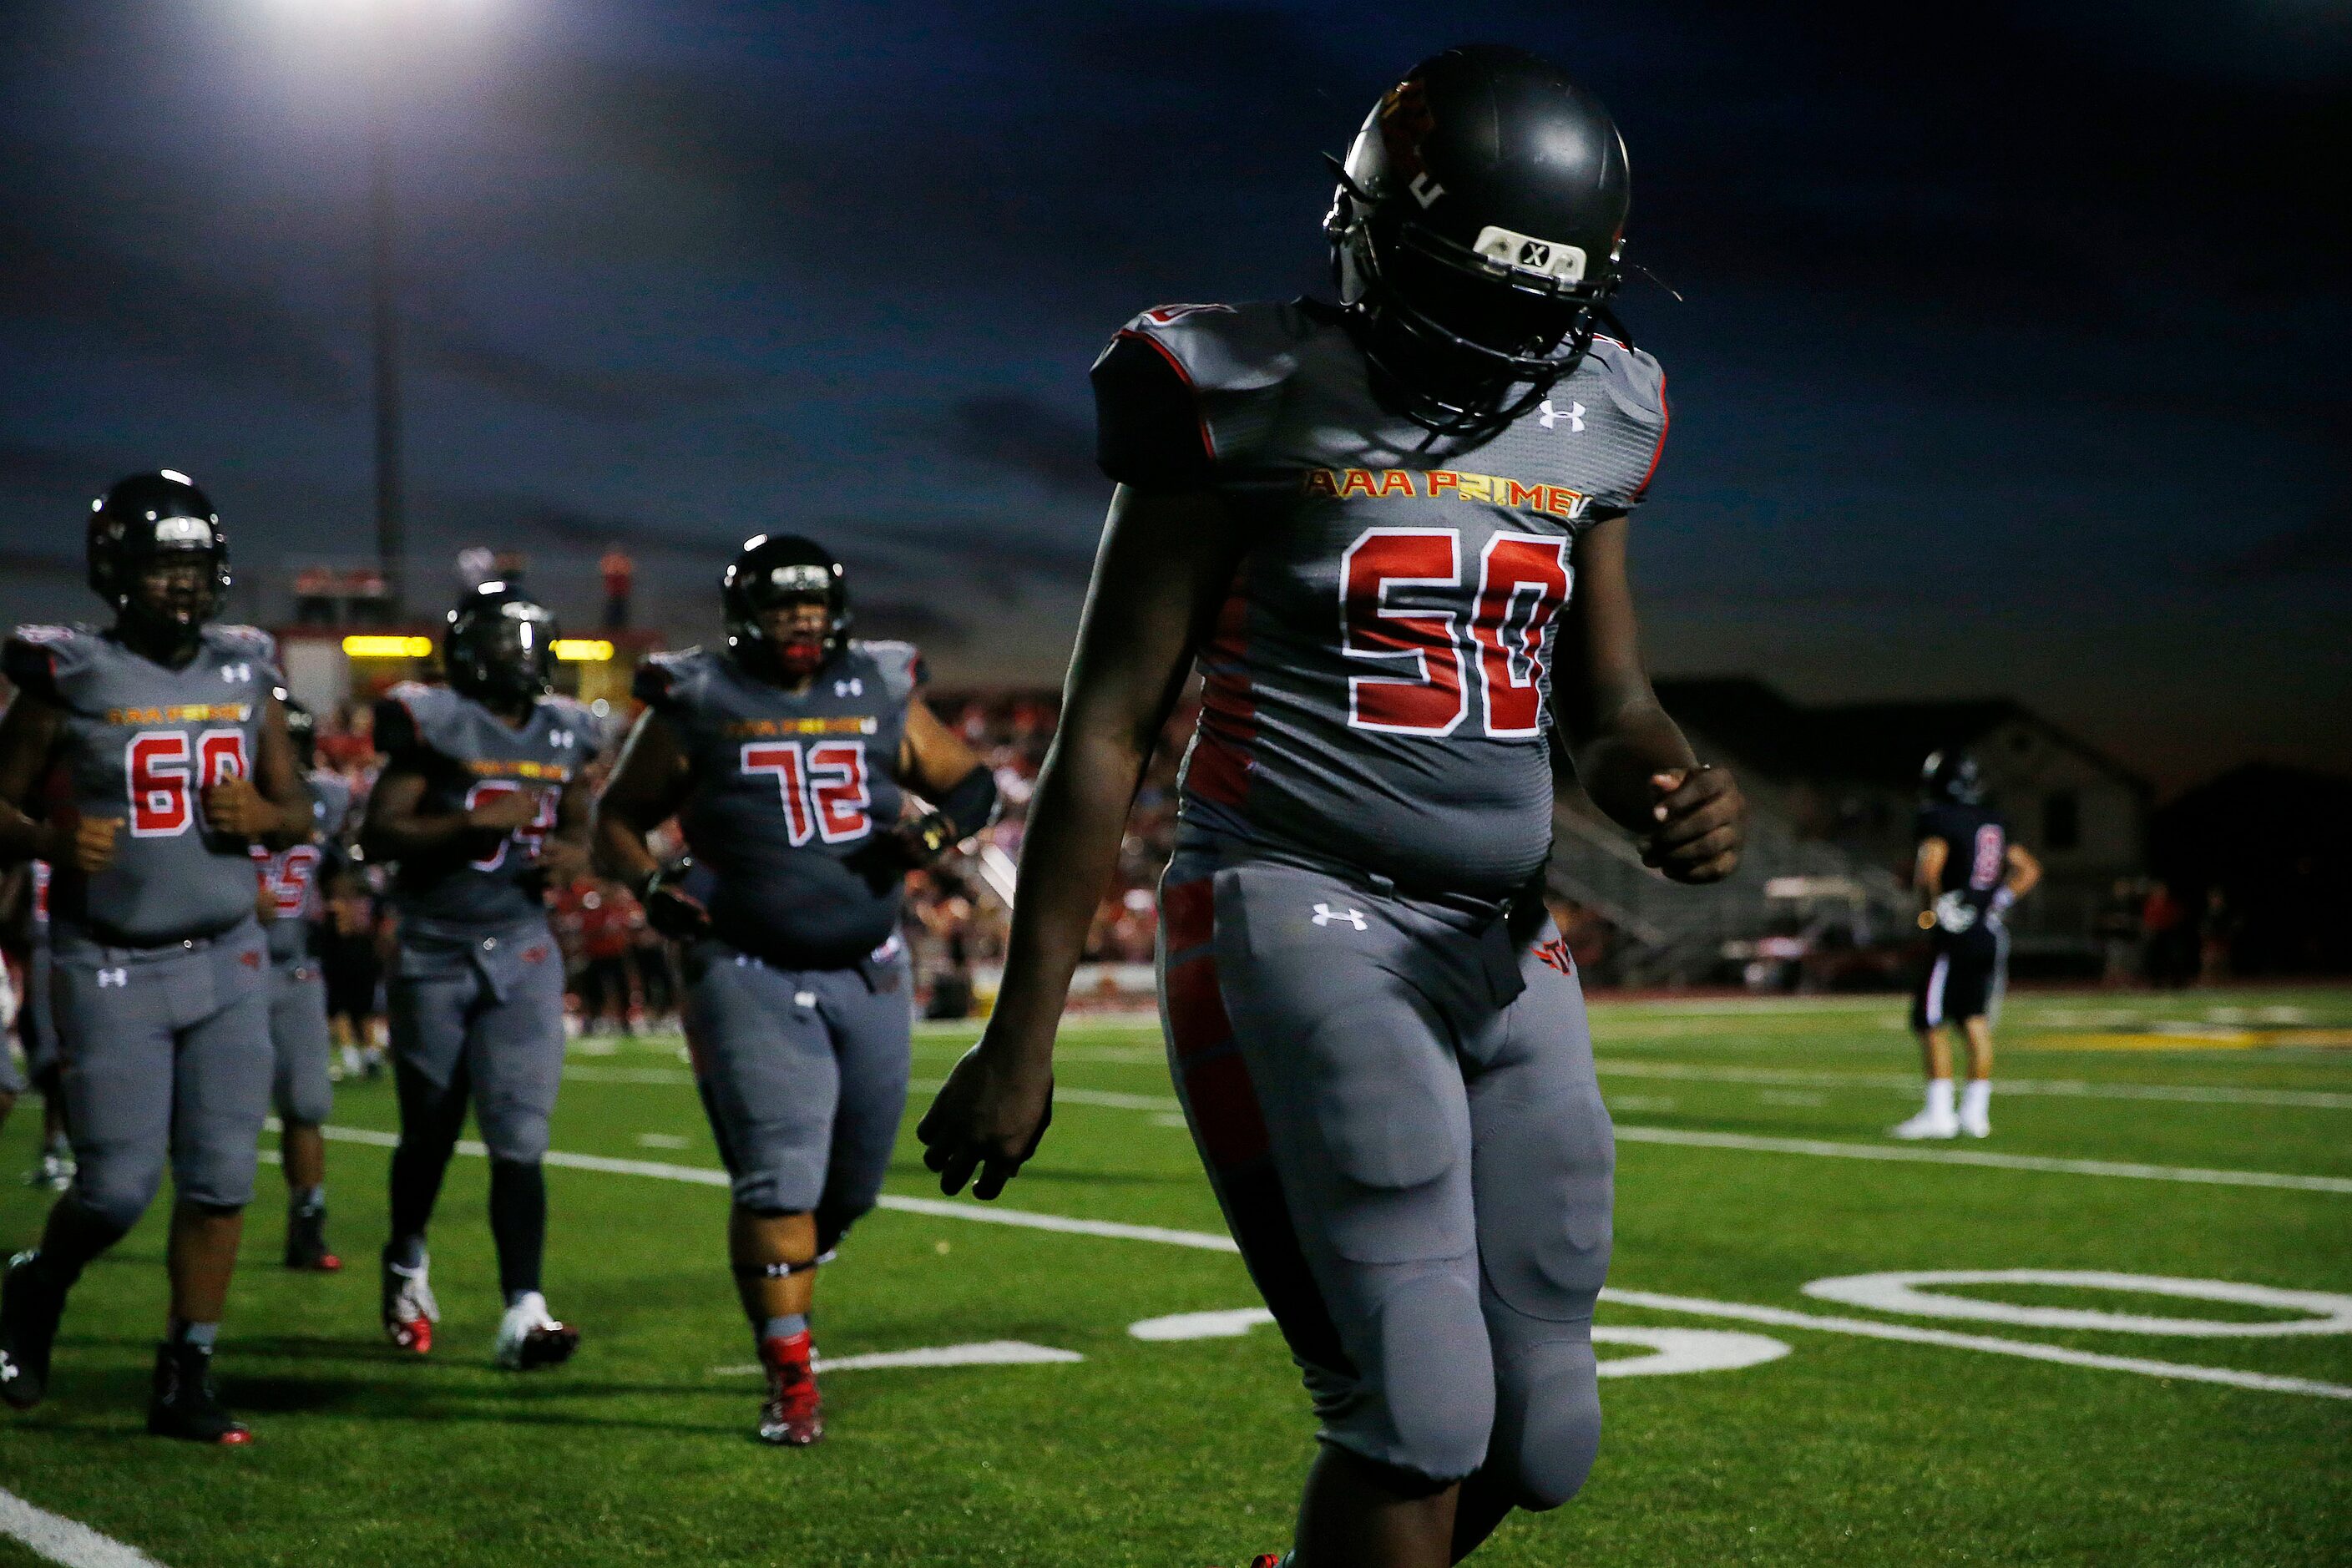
157 766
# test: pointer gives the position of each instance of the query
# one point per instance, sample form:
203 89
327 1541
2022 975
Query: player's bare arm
648 786
934 762
1163 567
2023 873
566 854
395 826
1630 756
272 808
1927 876
28 739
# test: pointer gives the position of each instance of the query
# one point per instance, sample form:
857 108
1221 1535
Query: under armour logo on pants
1326 915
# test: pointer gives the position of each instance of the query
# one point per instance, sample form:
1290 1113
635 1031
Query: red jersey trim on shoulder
1208 442
1665 422
1161 315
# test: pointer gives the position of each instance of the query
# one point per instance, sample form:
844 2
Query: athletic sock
73 1235
415 1187
783 1326
202 1336
518 1223
1976 1099
306 1200
1940 1097
58 1146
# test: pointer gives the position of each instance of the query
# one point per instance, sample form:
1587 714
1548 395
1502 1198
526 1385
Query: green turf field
2194 1137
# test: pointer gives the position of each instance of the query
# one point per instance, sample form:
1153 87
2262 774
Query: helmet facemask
773 576
501 650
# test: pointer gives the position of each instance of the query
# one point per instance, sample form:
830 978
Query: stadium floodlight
361 645
583 650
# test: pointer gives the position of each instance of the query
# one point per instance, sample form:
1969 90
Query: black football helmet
151 517
500 646
301 727
1477 232
775 570
1951 774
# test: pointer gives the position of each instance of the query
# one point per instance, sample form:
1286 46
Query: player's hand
1702 821
675 912
564 860
87 844
502 812
990 1117
234 806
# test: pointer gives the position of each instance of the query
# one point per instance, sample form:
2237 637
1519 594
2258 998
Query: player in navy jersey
1392 534
303 1089
483 803
788 759
1968 873
143 763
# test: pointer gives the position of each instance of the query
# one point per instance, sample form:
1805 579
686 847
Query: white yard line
60 1539
1906 1154
1780 1316
2071 1089
988 1353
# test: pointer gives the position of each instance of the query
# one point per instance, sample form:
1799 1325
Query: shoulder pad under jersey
414 717
43 660
901 663
673 682
1636 383
244 642
582 720
1232 358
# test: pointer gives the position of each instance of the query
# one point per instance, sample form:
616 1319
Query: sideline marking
1672 1351
1911 1154
988 1353
1780 1316
1900 1291
60 1539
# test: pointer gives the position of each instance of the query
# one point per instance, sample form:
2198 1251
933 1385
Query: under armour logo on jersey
1573 413
853 687
559 737
107 977
235 673
8 1373
1326 915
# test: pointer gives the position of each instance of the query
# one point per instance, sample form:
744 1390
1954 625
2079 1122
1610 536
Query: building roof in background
1878 743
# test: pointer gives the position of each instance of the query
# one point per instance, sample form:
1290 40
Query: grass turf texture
1846 1450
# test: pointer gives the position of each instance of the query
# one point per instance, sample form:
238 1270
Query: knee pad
1425 1402
1548 1429
113 1201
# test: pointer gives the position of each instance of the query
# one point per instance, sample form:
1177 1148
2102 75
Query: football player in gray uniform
788 759
1364 522
303 1087
483 803
142 762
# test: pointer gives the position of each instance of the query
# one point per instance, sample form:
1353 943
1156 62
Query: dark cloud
2321 547
461 349
1028 436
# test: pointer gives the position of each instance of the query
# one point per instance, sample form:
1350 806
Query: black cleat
30 1309
306 1242
185 1405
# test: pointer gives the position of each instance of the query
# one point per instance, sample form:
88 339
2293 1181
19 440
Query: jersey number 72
824 791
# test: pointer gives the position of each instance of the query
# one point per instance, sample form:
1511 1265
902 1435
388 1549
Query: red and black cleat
186 1405
409 1309
306 1243
794 1414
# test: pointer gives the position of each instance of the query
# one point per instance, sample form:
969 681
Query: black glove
670 909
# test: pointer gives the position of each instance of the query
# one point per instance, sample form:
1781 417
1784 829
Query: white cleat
1927 1124
529 1337
1979 1125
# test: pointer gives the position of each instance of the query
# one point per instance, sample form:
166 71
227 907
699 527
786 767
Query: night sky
2011 358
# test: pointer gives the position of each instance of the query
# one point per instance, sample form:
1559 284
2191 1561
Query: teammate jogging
129 763
1365 521
786 759
483 800
303 1087
1968 874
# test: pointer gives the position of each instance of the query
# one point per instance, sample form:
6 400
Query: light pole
385 302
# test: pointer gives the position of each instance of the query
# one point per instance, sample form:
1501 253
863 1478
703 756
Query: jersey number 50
824 793
163 782
1523 581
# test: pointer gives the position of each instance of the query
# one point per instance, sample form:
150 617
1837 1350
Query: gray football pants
302 1088
163 1053
1397 1112
804 1075
480 1019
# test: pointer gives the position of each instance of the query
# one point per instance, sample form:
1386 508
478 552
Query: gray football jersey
466 752
788 792
290 878
1377 685
142 741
